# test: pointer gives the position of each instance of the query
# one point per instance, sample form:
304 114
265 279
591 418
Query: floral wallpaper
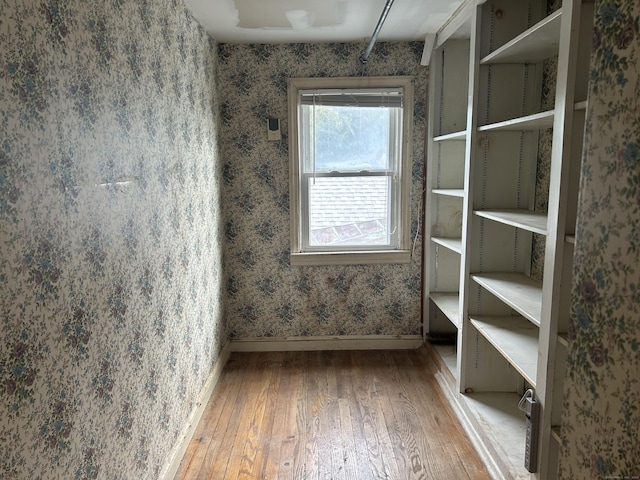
601 422
116 211
110 246
266 296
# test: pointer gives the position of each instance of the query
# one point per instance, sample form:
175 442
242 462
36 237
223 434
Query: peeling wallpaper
110 250
601 421
266 297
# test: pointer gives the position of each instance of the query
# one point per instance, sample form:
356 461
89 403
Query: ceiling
293 21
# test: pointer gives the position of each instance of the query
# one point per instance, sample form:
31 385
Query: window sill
351 258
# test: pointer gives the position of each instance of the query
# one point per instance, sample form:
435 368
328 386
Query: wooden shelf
459 136
515 338
451 192
502 423
517 290
449 304
563 339
534 45
525 219
580 105
454 244
537 121
448 357
494 420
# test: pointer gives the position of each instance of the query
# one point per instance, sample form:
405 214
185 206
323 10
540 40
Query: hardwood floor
330 415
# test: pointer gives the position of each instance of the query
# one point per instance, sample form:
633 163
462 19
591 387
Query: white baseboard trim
344 342
170 468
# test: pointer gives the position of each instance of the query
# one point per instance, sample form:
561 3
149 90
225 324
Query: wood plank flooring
335 415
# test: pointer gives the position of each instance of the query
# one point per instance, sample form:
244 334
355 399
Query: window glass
349 138
349 211
350 176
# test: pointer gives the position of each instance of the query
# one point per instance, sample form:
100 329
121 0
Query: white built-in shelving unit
498 326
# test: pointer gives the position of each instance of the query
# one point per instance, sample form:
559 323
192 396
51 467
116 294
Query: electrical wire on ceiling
364 57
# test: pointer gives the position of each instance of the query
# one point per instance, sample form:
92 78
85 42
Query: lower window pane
350 211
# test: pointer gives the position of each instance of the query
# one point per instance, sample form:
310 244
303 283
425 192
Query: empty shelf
525 219
451 192
516 290
502 425
533 45
515 338
537 121
454 244
580 105
448 357
462 135
563 339
449 304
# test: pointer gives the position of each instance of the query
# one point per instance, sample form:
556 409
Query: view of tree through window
351 138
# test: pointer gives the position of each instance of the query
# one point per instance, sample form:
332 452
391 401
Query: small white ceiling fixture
293 21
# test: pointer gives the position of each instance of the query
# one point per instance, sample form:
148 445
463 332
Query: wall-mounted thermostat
273 129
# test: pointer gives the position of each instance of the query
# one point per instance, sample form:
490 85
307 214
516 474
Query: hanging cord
415 237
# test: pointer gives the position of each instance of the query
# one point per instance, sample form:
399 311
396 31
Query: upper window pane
349 138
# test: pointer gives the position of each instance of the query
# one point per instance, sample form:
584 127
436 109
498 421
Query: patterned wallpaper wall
267 297
601 422
110 256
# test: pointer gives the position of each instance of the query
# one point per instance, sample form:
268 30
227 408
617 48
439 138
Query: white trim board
342 342
427 51
186 434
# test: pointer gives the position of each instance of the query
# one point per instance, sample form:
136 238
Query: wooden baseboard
346 342
170 468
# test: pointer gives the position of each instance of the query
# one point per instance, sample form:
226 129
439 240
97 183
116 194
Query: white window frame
339 255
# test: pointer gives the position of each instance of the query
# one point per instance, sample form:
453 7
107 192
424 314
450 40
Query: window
350 170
